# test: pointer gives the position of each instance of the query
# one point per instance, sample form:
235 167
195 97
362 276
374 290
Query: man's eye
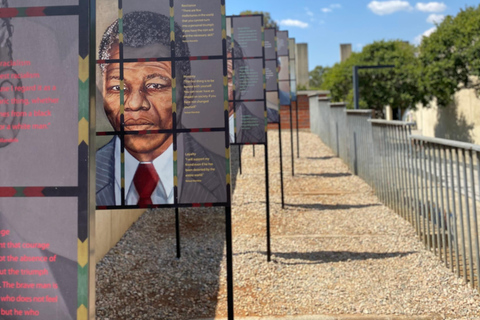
155 86
116 88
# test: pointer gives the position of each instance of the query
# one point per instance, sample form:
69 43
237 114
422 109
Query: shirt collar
163 165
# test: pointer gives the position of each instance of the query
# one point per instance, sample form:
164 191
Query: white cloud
331 7
388 7
418 39
431 6
293 23
309 12
435 18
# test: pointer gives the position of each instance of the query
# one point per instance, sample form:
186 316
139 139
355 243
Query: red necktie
145 181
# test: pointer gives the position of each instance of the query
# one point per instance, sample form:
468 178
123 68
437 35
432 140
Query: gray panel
201 23
51 223
248 35
270 45
204 95
271 75
249 79
48 133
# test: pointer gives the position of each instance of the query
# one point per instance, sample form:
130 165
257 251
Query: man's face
148 99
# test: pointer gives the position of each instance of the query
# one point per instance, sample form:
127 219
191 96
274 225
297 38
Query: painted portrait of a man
147 117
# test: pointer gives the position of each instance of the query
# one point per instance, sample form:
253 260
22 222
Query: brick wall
303 114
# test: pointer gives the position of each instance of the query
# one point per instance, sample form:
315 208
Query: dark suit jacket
211 189
253 135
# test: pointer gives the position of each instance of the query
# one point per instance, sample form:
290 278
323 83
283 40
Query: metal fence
432 183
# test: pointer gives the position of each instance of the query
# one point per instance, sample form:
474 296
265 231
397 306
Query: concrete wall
110 226
345 51
303 111
302 65
460 121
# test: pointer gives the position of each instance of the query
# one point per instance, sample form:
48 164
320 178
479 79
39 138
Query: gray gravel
336 251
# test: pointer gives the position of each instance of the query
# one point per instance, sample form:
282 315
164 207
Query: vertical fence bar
442 215
454 210
467 215
424 194
447 208
396 185
434 212
417 190
430 216
474 214
462 225
474 196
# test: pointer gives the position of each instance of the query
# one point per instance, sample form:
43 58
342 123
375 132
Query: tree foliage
450 57
316 77
267 20
397 87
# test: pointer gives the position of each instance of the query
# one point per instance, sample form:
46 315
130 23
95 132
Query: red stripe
7 192
33 192
8 12
35 11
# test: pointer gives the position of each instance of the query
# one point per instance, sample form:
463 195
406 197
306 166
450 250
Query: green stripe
82 290
83 100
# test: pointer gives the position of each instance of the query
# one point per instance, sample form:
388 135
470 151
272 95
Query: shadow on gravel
141 278
319 206
326 175
320 158
319 257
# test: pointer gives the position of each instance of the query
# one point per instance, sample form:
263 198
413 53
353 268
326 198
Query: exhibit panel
163 89
44 139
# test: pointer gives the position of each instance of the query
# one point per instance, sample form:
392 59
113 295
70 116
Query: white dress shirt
163 193
231 123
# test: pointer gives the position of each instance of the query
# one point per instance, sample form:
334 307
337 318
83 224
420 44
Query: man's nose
137 101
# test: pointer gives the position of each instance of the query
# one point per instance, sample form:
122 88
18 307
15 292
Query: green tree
316 77
450 57
267 20
397 87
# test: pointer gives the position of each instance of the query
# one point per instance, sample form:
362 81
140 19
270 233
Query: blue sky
325 24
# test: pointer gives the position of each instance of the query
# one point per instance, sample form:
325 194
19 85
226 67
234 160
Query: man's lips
139 124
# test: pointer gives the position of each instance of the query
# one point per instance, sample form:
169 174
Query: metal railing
433 183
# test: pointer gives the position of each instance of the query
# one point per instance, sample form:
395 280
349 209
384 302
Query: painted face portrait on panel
146 111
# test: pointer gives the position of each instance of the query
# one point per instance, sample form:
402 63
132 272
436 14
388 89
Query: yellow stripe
174 107
82 313
83 68
120 13
175 181
228 179
175 155
172 36
83 131
82 252
223 9
225 105
172 12
120 38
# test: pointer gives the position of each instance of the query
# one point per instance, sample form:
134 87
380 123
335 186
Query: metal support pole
267 200
177 232
240 158
291 141
228 231
298 137
281 162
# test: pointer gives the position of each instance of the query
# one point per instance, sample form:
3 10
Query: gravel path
335 250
